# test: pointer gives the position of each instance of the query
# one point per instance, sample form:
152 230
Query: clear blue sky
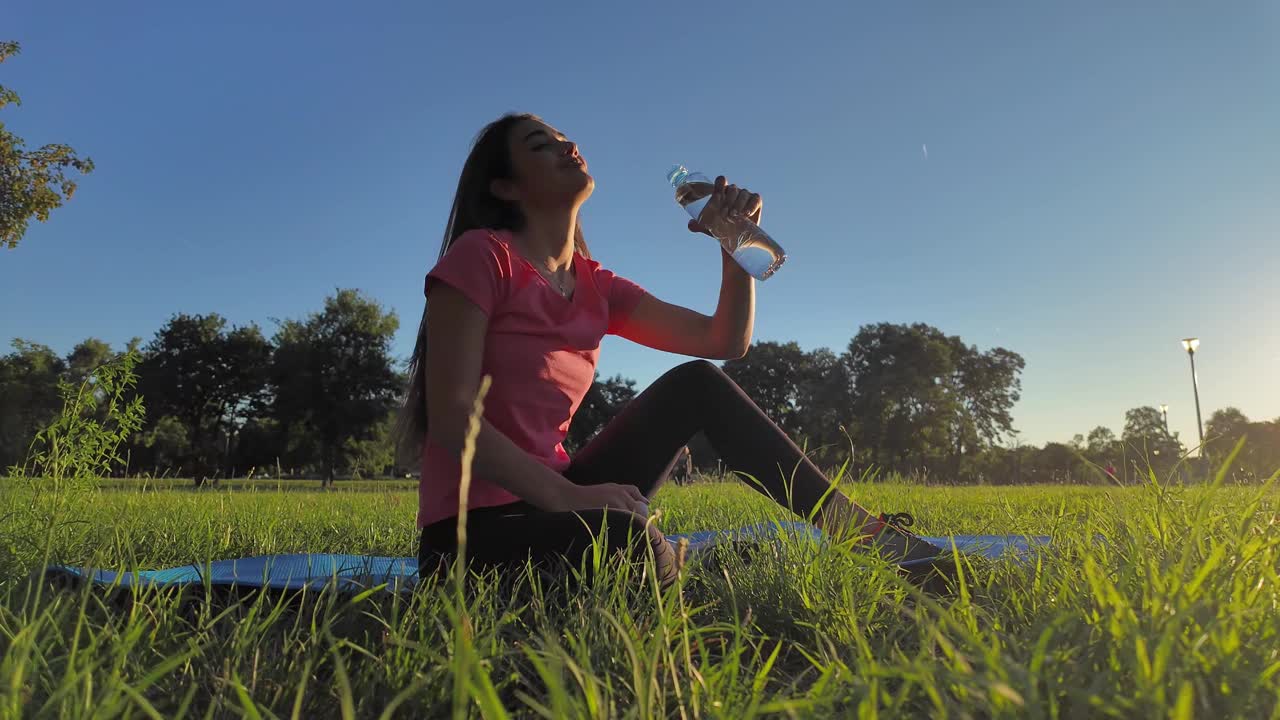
1099 181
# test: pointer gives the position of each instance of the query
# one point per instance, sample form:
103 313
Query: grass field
143 484
1176 614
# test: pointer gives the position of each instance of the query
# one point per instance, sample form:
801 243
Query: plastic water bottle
746 242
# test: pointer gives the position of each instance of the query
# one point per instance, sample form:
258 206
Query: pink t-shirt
540 350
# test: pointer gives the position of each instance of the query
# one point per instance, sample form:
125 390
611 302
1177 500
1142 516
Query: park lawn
1155 602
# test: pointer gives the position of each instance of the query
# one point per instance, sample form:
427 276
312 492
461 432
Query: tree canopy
33 183
318 398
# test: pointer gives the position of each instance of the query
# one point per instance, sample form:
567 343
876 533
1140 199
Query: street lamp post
1190 345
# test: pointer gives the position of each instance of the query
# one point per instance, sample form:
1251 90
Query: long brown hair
474 206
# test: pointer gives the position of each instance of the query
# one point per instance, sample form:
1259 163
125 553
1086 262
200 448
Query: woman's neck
548 237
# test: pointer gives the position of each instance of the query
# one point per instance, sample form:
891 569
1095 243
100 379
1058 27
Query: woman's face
546 167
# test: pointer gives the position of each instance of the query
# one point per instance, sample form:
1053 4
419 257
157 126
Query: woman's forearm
734 318
501 462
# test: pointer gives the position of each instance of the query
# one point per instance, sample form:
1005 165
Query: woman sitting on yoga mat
515 295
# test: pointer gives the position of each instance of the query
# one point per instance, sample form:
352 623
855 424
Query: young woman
516 296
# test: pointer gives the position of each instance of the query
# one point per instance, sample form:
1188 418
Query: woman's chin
585 188
569 193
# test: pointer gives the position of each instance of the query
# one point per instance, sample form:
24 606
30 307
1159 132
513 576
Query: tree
179 376
333 377
902 396
774 376
1146 436
1264 449
808 394
989 385
1056 463
246 364
922 399
603 401
208 378
32 183
168 442
1101 442
1225 428
824 412
29 394
86 357
375 453
29 397
1259 458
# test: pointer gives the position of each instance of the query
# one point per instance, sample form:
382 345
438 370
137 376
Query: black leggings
639 447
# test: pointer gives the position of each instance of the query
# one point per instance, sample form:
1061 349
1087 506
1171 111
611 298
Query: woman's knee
697 374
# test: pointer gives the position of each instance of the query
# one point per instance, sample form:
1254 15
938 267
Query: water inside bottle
749 245
694 196
761 258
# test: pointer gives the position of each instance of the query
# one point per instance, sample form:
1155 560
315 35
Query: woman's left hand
727 200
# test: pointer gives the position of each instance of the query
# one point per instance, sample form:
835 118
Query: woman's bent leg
641 444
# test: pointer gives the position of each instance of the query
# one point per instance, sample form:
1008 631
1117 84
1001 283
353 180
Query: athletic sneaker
923 563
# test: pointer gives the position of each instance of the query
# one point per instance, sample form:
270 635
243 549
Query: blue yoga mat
989 546
359 572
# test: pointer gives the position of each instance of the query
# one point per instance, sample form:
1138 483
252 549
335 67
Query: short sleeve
623 295
473 265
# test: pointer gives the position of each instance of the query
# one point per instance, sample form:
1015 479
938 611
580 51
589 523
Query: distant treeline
319 397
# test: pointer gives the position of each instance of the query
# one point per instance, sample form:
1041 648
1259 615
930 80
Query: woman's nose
570 148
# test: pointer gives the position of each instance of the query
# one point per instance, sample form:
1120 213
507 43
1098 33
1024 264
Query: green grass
1177 614
255 484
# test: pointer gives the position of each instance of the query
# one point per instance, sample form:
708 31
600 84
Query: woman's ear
503 189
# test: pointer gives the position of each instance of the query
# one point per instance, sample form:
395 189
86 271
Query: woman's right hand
613 496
